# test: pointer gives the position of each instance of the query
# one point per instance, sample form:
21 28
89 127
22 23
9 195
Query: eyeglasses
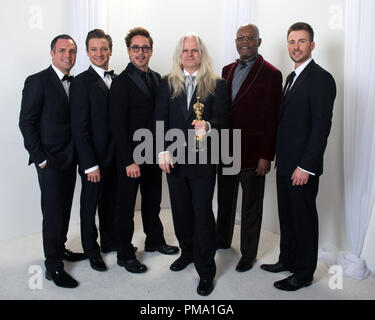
145 49
246 38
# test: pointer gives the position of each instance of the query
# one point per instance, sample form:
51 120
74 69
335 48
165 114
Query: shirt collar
195 74
98 70
299 70
58 72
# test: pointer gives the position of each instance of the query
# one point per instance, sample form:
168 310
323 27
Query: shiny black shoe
132 265
180 264
277 267
61 279
163 248
205 287
97 263
291 284
245 264
73 256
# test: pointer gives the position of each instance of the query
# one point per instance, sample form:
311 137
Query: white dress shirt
107 79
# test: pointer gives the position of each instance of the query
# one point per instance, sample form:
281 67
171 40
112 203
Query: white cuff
311 173
209 127
91 169
43 163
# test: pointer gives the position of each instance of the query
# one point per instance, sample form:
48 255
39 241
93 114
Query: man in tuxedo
255 87
191 186
304 126
132 101
45 126
95 147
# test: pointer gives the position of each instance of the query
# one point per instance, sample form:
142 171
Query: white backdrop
33 24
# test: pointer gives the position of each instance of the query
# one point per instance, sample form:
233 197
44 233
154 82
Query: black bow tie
67 78
111 72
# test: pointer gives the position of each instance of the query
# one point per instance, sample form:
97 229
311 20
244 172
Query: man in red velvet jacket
255 88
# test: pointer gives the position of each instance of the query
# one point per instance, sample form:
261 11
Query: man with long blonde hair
191 185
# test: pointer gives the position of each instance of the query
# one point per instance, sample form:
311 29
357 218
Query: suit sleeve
30 115
271 111
80 120
119 117
161 116
322 94
220 106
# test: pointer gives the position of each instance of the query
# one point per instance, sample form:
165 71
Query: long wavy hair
206 80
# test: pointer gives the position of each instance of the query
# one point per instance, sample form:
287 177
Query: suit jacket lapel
181 101
190 111
301 78
99 80
136 78
58 84
249 80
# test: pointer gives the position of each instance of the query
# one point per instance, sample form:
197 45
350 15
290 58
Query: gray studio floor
22 259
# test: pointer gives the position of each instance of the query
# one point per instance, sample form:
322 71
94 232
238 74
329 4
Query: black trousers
251 213
194 221
299 232
150 187
99 197
57 189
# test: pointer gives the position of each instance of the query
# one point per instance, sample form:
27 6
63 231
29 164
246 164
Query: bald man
255 88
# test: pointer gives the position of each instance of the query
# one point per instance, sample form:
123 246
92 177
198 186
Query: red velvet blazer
255 110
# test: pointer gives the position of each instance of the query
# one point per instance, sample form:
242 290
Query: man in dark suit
132 101
95 147
304 126
191 186
255 87
45 126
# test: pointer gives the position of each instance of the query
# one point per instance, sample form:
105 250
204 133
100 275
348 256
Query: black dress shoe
61 279
163 248
277 267
72 256
132 265
291 284
205 287
245 264
97 263
180 264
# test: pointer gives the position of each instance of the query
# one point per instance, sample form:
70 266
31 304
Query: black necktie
67 78
111 72
288 84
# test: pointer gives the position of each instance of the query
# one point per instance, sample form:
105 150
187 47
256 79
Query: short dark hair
61 36
139 31
98 33
302 26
